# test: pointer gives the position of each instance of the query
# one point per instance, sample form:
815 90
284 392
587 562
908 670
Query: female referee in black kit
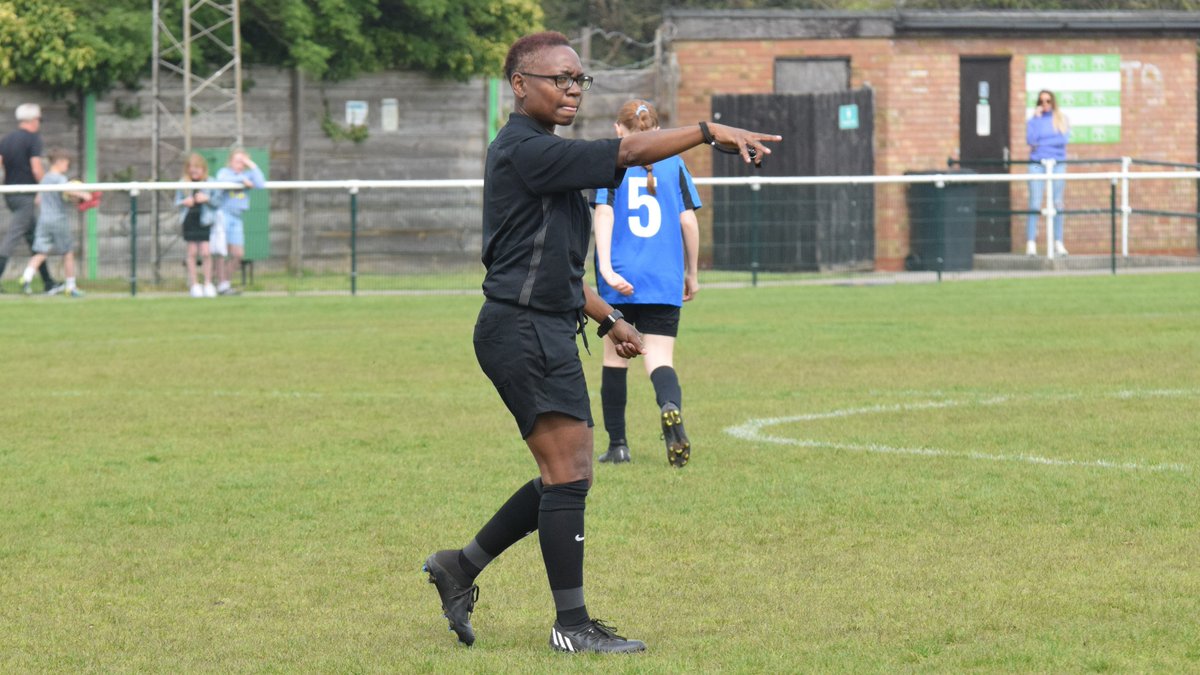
536 228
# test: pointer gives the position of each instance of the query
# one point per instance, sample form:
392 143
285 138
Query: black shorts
652 319
533 361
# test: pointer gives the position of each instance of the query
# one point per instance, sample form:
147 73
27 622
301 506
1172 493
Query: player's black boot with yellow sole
679 448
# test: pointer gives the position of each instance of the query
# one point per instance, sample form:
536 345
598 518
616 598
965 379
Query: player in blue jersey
647 241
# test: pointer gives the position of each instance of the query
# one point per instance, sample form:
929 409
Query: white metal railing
1124 178
939 179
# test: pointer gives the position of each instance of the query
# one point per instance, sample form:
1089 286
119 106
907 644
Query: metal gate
789 227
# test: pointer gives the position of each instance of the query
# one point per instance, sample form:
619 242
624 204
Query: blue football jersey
647 242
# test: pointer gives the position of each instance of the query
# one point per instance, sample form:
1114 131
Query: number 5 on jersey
638 199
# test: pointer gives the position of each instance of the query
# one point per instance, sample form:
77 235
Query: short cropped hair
28 111
57 154
523 49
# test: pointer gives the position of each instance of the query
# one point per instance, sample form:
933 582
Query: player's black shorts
533 361
652 319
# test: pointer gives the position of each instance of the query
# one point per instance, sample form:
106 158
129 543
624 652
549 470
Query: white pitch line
752 430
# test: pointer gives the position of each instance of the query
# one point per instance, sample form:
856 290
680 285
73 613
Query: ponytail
639 115
650 178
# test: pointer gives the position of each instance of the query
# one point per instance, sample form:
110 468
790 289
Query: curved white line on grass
752 430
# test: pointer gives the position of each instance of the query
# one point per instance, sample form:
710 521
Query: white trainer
1031 247
197 291
210 291
1059 249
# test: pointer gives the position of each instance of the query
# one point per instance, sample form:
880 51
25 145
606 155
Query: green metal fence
426 236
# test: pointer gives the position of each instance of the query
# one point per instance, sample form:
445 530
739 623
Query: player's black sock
666 386
613 396
517 518
560 530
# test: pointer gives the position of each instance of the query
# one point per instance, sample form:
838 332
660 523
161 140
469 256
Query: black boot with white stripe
593 636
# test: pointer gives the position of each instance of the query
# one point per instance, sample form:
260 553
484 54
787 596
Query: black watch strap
608 322
708 138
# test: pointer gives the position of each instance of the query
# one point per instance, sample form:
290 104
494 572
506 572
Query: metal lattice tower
206 23
210 27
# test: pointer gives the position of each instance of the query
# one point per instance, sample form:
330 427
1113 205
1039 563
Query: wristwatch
608 322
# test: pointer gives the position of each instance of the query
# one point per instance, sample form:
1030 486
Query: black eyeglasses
1045 100
565 81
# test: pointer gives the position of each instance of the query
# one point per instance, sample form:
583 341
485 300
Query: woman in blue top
1047 133
647 242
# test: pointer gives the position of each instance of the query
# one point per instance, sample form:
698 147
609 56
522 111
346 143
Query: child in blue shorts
239 169
53 233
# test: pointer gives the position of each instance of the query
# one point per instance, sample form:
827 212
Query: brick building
923 69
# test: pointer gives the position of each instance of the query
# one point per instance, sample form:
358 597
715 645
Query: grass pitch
989 476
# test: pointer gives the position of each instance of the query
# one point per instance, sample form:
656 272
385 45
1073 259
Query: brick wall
916 84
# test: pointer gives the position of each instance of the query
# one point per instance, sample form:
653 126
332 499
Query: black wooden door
798 227
984 145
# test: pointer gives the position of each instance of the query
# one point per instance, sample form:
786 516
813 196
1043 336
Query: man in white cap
21 159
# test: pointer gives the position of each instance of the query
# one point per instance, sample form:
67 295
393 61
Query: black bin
941 224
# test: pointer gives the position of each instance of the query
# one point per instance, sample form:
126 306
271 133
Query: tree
118 33
39 42
337 39
89 46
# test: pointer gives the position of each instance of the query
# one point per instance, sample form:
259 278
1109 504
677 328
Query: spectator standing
53 233
198 209
1047 132
21 158
239 169
647 242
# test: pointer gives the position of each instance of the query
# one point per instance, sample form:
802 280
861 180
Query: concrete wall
442 134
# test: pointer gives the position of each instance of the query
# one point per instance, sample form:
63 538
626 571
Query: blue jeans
1037 201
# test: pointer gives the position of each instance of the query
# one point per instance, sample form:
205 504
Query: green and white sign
1088 90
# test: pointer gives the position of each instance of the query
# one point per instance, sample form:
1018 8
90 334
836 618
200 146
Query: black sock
3 264
666 386
517 518
613 396
560 529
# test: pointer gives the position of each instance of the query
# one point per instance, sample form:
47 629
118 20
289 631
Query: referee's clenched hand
627 339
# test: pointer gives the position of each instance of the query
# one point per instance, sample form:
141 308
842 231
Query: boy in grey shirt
53 234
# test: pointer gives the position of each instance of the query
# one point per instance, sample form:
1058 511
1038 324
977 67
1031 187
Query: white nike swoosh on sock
579 537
